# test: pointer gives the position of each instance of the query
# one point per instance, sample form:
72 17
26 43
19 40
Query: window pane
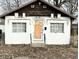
19 27
57 27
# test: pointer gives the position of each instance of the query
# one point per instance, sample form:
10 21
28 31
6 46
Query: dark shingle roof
45 3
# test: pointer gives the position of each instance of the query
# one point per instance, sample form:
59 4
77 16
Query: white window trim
52 29
20 28
56 21
22 21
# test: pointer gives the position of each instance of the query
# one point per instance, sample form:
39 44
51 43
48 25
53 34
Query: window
44 6
19 27
57 27
32 6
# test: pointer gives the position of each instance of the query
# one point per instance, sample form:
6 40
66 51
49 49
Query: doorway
38 32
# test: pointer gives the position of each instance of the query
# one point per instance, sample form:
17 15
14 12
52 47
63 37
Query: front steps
38 44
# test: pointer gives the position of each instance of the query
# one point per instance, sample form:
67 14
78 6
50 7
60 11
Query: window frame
57 26
25 30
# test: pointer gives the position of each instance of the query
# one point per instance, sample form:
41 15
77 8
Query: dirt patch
21 58
53 52
48 52
74 41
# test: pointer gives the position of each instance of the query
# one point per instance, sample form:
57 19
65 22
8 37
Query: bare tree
10 4
17 2
70 5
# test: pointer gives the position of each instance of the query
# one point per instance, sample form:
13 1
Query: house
38 22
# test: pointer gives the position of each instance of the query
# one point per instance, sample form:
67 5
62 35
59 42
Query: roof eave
72 17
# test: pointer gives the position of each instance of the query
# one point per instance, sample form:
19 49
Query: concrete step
37 41
38 44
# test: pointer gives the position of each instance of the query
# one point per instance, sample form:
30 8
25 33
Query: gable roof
69 15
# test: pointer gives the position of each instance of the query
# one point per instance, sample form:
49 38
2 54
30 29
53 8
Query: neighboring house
38 22
74 30
2 28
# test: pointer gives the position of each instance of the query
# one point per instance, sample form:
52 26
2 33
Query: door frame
37 23
42 36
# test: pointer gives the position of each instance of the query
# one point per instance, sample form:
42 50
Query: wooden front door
38 30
